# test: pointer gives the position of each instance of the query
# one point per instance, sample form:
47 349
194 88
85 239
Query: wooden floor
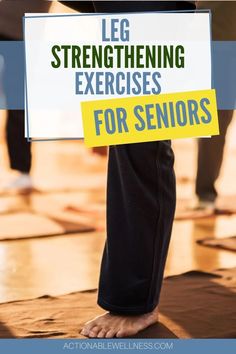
70 175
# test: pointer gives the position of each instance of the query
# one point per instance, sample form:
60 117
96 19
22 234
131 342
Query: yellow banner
149 118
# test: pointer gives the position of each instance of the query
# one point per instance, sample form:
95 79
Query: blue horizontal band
173 346
12 82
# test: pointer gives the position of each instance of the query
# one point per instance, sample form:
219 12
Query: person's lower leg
19 149
141 203
210 155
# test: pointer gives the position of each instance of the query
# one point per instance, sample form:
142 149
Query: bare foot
109 325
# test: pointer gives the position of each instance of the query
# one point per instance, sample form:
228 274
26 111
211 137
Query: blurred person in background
19 149
211 150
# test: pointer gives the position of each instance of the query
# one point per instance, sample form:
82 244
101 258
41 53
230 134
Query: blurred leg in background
18 148
19 151
210 157
211 151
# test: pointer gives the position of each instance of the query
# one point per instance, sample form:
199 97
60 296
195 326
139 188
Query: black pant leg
138 6
210 156
140 211
19 149
140 208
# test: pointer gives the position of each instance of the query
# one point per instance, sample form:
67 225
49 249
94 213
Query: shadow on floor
200 305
